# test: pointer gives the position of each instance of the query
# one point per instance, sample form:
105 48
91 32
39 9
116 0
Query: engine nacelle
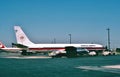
55 53
92 53
105 53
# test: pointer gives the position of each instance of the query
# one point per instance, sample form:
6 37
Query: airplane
9 49
59 48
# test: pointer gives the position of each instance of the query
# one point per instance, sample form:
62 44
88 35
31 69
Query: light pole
54 40
108 39
70 38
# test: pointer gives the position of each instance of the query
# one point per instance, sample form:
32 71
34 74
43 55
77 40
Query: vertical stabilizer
21 37
2 45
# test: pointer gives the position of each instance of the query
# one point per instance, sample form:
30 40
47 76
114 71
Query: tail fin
21 37
2 45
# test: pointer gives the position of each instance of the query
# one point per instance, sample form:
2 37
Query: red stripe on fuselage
46 49
60 48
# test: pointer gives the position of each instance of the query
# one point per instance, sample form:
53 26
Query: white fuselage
51 47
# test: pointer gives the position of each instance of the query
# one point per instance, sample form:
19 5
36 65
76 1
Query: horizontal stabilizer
19 45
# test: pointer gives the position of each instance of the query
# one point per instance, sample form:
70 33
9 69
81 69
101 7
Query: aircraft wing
19 45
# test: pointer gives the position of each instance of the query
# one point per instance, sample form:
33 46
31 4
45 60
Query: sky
46 20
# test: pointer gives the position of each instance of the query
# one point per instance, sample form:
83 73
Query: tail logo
21 37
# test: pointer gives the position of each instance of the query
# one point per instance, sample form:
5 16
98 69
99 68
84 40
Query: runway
107 69
19 56
24 66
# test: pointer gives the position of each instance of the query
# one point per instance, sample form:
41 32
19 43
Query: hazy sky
44 20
